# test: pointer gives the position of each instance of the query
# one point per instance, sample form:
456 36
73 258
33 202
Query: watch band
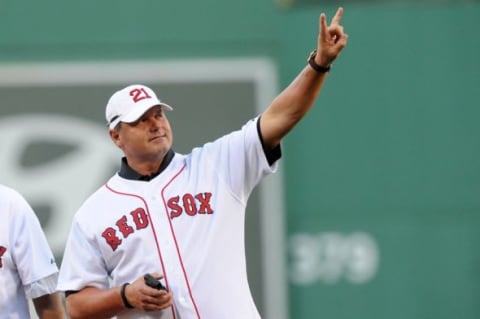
314 65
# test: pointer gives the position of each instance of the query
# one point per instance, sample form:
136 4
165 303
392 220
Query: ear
115 136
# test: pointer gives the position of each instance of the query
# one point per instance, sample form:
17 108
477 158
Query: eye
133 124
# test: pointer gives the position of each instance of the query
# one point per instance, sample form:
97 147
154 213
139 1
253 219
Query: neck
144 170
146 166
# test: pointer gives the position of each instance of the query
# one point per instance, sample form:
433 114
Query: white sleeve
240 160
31 253
44 286
82 263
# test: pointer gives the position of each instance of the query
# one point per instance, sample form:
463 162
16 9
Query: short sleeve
44 286
82 263
239 159
31 253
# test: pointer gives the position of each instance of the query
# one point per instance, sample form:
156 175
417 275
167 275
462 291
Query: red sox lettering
125 226
140 220
190 204
3 250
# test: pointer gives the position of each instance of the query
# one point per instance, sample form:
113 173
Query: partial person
27 265
180 217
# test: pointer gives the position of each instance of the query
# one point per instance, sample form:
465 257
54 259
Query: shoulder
9 194
248 133
99 195
12 201
17 214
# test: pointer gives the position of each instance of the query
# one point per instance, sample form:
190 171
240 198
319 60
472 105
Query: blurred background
375 212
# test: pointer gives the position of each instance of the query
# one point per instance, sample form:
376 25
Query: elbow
49 306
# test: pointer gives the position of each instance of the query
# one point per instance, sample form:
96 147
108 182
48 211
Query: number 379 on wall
329 257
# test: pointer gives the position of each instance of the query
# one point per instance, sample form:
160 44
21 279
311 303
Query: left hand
141 296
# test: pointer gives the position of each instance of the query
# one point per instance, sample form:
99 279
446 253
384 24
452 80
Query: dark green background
391 148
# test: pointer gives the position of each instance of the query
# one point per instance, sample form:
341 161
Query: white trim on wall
260 71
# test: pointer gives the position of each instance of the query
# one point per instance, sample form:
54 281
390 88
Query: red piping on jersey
153 231
173 235
175 239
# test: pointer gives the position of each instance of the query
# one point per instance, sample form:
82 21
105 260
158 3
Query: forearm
291 105
50 306
93 303
298 97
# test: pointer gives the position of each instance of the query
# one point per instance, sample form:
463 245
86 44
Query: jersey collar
129 173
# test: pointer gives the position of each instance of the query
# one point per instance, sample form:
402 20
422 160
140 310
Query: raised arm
291 105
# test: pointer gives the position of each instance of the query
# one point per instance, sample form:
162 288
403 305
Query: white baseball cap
130 103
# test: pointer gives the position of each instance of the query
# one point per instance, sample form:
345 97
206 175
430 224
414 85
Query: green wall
53 29
390 152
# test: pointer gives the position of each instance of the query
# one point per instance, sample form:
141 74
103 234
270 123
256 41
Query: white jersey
187 223
25 257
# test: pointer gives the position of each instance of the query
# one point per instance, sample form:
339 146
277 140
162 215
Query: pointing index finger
323 25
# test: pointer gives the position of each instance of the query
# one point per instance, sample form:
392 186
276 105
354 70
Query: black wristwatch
314 65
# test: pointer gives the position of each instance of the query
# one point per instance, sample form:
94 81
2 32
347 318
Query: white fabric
129 103
162 226
27 260
42 287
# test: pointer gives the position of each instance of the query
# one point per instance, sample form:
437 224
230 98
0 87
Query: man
27 266
180 218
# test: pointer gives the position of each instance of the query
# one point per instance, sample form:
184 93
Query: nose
154 122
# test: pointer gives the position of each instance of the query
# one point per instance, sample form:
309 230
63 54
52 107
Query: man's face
146 140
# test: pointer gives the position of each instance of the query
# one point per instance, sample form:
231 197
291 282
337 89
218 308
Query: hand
141 296
331 39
